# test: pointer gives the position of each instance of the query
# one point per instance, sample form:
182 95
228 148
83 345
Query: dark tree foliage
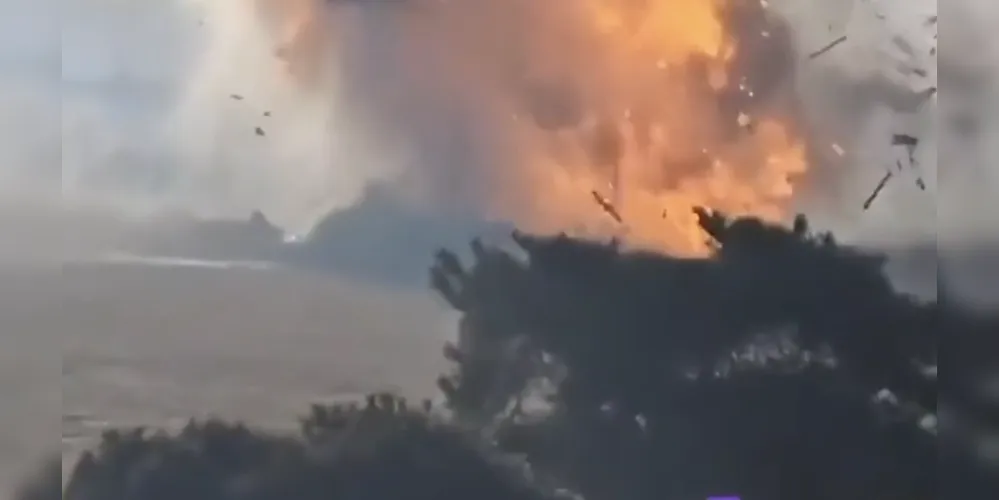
379 452
754 371
782 366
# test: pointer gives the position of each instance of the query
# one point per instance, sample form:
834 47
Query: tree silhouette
383 450
782 366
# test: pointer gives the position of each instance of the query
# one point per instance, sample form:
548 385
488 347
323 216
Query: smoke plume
509 109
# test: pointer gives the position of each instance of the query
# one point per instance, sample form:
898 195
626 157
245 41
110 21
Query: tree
783 366
383 450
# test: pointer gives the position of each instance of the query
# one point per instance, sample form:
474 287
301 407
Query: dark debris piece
907 141
877 190
829 46
260 132
904 140
607 206
236 97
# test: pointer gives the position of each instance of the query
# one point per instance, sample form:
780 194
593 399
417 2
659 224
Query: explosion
652 106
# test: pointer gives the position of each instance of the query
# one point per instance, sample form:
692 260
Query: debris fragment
260 132
909 143
919 180
838 149
267 113
607 206
236 97
829 46
904 140
877 190
930 21
745 121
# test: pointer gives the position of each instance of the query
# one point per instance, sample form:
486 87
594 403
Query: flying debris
838 149
877 190
904 140
829 46
607 206
909 143
267 113
236 97
260 132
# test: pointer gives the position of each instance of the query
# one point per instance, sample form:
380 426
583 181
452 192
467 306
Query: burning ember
657 105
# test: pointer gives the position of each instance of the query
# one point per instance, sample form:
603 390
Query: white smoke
312 158
129 105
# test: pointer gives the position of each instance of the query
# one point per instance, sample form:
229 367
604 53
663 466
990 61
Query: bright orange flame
639 85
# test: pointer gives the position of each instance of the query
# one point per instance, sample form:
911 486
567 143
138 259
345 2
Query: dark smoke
784 366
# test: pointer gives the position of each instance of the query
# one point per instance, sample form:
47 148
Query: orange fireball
656 106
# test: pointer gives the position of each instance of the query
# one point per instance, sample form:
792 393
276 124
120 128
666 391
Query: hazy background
111 110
